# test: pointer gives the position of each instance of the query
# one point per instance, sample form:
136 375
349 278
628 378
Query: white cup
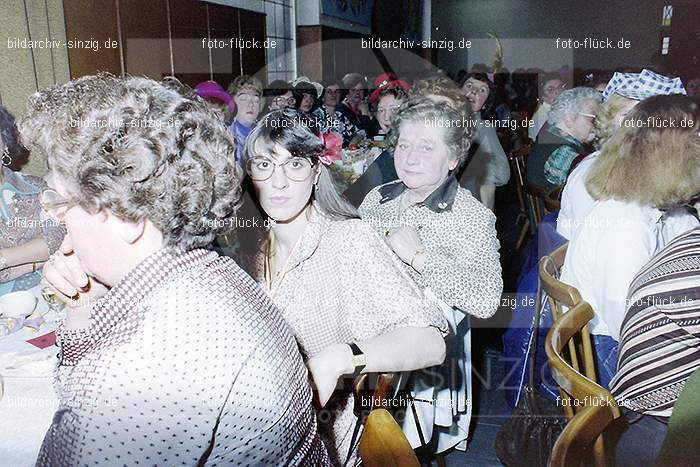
17 304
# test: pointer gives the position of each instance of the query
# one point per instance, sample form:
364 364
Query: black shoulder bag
527 438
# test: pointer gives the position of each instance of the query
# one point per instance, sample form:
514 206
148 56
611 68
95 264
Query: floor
490 408
490 413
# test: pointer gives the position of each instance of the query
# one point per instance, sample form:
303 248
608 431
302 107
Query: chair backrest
560 295
383 444
535 196
593 406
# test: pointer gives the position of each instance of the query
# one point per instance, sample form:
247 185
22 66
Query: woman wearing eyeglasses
342 291
279 95
169 353
27 235
570 128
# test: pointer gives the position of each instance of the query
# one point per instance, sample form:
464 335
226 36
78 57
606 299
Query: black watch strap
358 358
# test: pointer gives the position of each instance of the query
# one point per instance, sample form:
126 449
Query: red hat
387 81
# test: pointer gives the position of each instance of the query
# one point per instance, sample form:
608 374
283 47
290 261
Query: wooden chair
518 159
535 196
581 442
560 295
382 443
588 405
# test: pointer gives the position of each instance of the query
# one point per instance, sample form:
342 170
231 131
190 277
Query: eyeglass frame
68 203
587 115
291 101
274 167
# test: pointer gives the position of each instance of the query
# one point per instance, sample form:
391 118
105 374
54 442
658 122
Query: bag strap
535 335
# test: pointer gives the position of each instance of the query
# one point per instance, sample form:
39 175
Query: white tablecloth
29 400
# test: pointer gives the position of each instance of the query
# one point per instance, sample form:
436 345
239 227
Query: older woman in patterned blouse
27 236
346 297
444 237
170 354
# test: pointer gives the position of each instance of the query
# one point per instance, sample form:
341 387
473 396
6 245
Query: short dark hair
10 137
277 88
304 88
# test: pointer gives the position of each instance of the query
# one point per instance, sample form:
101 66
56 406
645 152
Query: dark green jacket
551 142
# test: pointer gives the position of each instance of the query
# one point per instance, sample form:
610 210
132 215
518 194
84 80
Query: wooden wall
158 38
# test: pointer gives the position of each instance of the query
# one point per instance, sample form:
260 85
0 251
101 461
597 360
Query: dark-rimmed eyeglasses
296 169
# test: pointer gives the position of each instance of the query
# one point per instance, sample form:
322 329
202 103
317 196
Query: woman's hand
327 366
66 276
405 242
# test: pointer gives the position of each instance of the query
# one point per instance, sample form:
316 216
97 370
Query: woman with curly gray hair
160 332
446 241
27 236
569 129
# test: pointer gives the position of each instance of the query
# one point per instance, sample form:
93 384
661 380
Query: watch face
359 360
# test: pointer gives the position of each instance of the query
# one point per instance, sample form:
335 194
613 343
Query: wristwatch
359 360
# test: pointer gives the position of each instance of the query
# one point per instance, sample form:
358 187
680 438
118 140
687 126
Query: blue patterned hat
639 86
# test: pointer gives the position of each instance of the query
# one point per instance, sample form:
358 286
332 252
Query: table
353 164
29 401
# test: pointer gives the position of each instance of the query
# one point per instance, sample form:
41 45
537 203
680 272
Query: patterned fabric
639 86
22 220
338 123
187 362
556 168
660 338
27 220
342 283
462 266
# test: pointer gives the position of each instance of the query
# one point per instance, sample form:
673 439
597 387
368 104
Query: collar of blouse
438 201
307 245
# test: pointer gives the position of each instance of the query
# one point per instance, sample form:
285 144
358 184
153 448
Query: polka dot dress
186 363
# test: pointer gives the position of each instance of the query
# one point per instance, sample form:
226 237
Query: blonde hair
606 119
245 82
648 163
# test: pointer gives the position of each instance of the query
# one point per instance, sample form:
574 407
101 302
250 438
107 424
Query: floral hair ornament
332 147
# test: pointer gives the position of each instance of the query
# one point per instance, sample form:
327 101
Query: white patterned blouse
342 284
462 265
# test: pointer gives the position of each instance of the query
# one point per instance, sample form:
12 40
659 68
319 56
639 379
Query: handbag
527 437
